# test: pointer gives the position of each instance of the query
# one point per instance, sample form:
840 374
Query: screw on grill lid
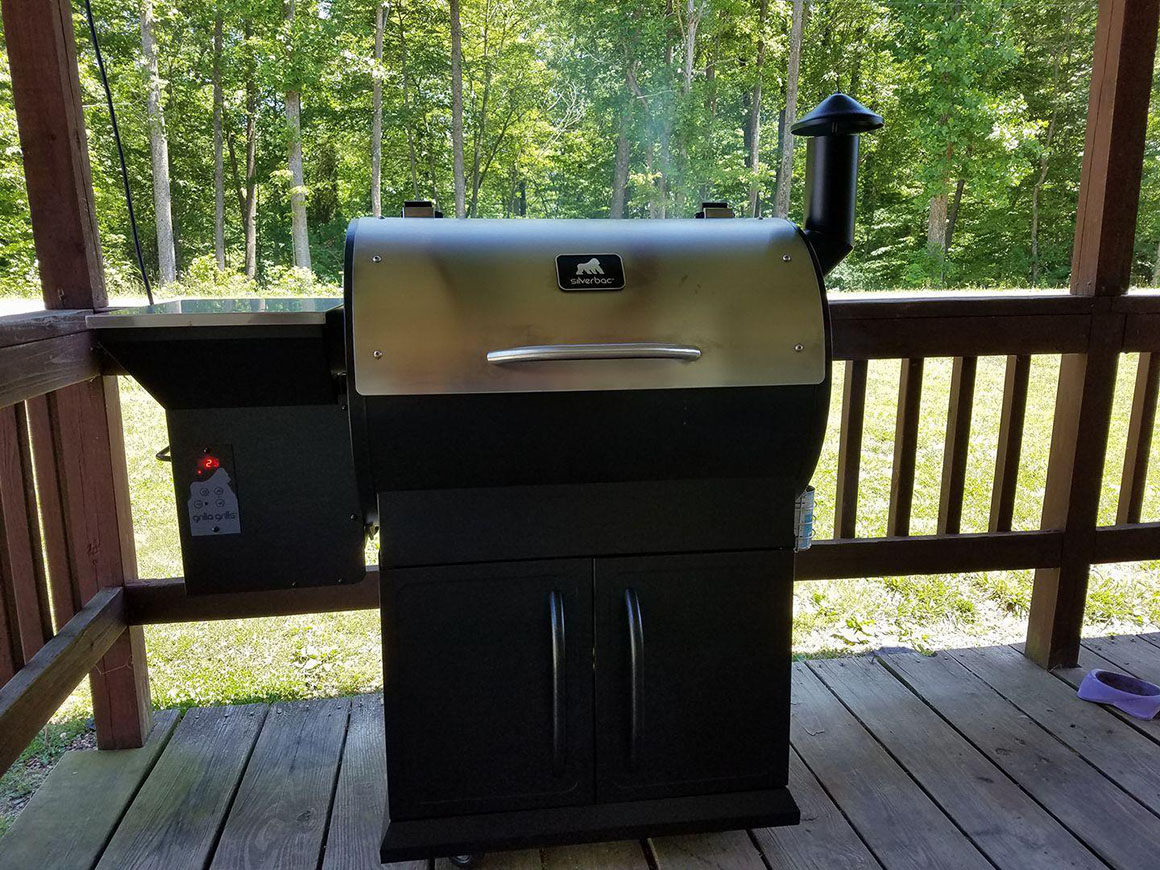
835 115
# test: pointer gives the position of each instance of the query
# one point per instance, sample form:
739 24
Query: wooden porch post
84 435
1101 268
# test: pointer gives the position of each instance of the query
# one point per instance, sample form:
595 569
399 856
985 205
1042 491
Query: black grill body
586 590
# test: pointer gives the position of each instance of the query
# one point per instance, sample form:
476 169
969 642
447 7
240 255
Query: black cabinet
606 697
692 674
488 687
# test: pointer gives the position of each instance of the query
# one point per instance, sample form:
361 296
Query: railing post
86 435
1101 268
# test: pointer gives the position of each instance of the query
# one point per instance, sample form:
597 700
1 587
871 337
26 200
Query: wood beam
86 425
1010 446
151 602
39 367
1101 267
957 444
927 554
22 574
850 449
1113 154
39 325
46 94
905 448
30 698
1129 543
1139 447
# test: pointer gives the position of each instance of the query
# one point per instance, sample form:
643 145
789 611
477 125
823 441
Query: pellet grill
582 443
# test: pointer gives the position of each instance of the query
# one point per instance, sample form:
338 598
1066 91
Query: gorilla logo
592 267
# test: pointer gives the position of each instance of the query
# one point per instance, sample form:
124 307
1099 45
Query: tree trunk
785 172
1041 179
952 219
235 175
479 134
711 79
1156 268
620 173
158 151
936 225
250 215
654 207
298 229
219 166
755 114
414 163
669 34
377 118
692 22
661 189
457 110
953 214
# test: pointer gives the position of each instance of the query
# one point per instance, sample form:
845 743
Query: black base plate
559 826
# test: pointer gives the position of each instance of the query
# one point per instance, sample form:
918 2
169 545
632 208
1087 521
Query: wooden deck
969 759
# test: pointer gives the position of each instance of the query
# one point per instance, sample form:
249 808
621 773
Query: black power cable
120 150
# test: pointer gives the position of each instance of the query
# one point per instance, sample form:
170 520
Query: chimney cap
837 114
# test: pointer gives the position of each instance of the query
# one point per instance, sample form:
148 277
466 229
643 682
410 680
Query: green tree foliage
582 108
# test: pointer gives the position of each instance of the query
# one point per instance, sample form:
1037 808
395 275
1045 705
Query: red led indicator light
207 464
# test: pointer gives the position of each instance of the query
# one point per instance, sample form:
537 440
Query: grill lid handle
615 350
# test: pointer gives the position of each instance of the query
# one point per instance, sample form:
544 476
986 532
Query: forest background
254 130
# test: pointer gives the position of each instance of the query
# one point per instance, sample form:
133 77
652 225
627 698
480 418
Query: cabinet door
692 673
488 687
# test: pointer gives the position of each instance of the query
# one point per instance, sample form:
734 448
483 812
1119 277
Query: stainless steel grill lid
492 306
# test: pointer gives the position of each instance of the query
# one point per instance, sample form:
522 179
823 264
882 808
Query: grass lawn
338 654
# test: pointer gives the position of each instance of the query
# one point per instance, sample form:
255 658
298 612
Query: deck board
1152 637
356 817
1000 819
970 759
527 859
620 855
1131 653
63 825
175 818
1089 804
731 850
824 839
280 814
1125 756
900 824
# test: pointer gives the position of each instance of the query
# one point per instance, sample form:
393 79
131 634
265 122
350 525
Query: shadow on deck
971 758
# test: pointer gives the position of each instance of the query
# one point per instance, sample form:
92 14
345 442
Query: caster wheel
465 860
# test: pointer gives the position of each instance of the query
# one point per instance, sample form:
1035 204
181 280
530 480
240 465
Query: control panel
212 506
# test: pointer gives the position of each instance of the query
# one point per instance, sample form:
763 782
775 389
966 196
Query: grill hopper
259 436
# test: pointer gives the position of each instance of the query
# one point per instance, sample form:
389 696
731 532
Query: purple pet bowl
1135 697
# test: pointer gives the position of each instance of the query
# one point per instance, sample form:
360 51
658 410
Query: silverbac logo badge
589 272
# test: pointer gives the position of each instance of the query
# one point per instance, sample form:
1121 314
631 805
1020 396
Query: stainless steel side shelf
282 311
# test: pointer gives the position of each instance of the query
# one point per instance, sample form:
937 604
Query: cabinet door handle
556 617
635 672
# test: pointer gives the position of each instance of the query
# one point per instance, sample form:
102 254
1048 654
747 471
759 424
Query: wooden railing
69 603
65 536
966 328
60 430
